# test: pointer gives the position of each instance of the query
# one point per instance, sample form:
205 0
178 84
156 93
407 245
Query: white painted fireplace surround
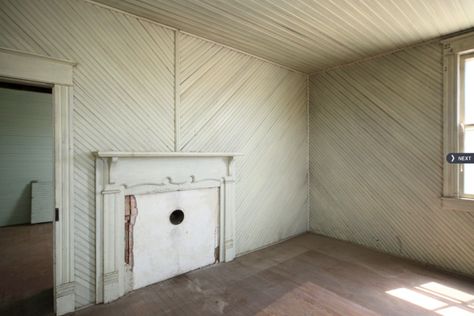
136 173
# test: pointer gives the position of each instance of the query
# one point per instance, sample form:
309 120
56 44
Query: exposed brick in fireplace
131 213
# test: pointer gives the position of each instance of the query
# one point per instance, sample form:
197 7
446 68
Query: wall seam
308 159
177 99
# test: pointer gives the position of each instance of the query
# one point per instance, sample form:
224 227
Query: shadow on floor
39 304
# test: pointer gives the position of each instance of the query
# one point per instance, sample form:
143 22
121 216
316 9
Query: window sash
461 111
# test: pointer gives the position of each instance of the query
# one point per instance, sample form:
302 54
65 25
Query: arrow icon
461 158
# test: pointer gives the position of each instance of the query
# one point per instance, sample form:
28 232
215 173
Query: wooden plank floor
26 270
307 275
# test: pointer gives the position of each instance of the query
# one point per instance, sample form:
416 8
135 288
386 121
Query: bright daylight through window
467 82
458 122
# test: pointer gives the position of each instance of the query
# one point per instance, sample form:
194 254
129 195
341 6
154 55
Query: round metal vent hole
176 217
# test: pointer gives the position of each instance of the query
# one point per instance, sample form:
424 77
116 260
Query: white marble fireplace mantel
127 173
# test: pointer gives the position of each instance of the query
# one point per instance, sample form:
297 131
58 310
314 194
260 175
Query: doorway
26 199
38 70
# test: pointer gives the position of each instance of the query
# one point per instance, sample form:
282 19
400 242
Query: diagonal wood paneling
233 102
124 95
123 92
309 35
376 159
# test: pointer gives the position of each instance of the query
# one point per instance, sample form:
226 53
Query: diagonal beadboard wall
134 91
376 159
125 99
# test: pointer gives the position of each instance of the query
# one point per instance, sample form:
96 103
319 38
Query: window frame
463 126
455 51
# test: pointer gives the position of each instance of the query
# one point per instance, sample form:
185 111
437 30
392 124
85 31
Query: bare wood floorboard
26 270
307 275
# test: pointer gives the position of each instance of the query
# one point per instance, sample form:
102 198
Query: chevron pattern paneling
233 102
376 159
124 98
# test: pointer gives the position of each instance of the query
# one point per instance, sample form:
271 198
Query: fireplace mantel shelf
145 154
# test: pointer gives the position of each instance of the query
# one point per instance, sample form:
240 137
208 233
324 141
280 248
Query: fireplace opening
176 217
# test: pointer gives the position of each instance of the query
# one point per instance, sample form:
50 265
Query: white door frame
56 73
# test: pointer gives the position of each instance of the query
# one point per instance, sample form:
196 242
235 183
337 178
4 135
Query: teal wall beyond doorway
27 144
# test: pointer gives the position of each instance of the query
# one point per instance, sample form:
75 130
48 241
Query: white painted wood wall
376 159
125 98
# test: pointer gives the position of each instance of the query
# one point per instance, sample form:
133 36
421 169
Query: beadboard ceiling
309 35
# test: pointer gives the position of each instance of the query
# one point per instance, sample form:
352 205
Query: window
458 179
467 121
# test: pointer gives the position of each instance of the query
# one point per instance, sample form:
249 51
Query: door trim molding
58 74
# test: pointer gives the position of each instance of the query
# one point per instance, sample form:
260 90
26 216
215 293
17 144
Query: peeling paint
131 213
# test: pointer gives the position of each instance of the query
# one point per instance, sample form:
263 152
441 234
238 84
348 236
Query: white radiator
42 202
